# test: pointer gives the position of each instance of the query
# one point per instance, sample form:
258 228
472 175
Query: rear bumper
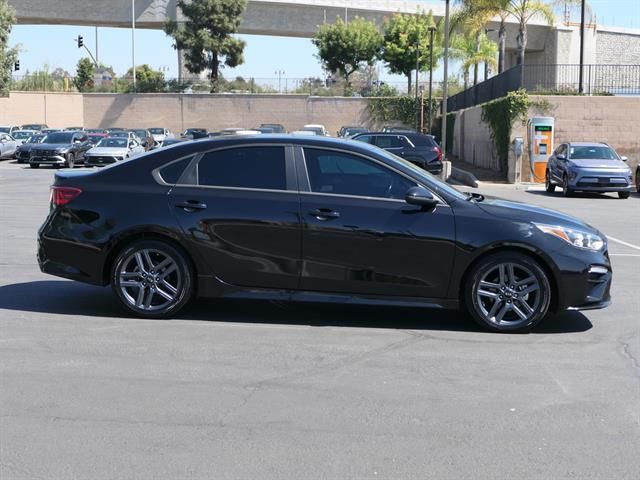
99 161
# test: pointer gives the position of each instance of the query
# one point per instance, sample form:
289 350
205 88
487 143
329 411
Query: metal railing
559 79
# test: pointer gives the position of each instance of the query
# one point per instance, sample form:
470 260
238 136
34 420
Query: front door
242 215
360 236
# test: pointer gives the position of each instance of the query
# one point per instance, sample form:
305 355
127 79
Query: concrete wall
178 111
618 47
614 120
54 109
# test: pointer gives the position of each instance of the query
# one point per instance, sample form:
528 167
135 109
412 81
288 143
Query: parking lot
271 391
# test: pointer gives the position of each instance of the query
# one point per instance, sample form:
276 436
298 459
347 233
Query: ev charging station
540 132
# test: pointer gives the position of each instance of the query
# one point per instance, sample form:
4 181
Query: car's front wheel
507 292
152 279
566 190
71 160
34 165
623 195
549 187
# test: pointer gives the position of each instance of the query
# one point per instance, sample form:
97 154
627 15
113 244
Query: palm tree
473 49
523 11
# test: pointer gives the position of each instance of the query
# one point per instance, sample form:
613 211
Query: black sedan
311 218
421 150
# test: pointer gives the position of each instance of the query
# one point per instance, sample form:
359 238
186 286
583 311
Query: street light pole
432 30
133 41
444 84
418 106
581 77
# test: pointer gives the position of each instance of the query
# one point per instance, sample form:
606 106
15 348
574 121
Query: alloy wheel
150 280
508 294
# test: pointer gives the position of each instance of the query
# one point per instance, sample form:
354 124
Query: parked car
276 127
307 133
111 150
9 129
310 218
95 138
317 129
74 129
346 132
172 141
195 133
50 130
238 131
397 129
146 139
264 129
60 149
128 134
23 152
35 126
22 136
116 129
96 131
159 134
419 149
8 146
638 178
588 167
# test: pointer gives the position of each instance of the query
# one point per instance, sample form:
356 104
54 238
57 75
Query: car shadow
558 194
60 297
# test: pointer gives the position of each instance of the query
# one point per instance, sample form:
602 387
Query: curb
464 177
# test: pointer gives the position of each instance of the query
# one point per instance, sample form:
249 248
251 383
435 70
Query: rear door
239 207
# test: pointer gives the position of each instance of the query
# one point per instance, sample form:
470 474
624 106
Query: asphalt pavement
248 390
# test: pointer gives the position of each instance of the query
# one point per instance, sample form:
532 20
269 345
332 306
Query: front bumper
599 180
584 281
48 160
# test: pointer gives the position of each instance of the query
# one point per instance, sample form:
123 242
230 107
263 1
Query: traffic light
16 66
80 41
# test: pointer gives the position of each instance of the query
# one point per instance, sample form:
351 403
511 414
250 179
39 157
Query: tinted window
346 174
365 138
113 143
60 137
390 141
157 131
422 140
172 172
244 167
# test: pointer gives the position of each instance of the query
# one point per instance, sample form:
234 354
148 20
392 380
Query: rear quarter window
172 172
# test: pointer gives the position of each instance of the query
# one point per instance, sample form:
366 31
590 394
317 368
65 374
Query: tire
34 165
494 305
150 295
549 187
624 195
71 160
566 191
638 181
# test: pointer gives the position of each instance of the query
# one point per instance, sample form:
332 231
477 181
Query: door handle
191 206
324 213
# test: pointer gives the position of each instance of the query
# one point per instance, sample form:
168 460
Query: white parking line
622 242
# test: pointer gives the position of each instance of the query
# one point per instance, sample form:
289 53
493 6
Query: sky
55 46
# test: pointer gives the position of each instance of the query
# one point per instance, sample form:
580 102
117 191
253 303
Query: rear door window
261 167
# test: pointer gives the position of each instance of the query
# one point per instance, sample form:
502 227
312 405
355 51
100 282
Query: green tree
84 75
206 35
8 56
523 11
406 35
472 49
148 80
346 47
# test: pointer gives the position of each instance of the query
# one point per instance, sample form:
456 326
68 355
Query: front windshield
113 143
118 134
21 135
140 133
4 129
157 131
593 152
431 180
60 137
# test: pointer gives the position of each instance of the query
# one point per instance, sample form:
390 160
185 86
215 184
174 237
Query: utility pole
432 30
444 84
96 44
417 71
581 78
133 41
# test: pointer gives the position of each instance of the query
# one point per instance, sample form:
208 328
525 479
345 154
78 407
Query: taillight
438 151
62 195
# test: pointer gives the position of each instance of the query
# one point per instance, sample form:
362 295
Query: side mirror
420 196
561 157
624 159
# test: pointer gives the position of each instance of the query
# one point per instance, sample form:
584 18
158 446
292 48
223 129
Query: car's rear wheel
638 180
566 190
549 187
71 160
624 195
34 165
152 279
507 292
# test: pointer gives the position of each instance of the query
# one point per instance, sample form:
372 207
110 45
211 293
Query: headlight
577 238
